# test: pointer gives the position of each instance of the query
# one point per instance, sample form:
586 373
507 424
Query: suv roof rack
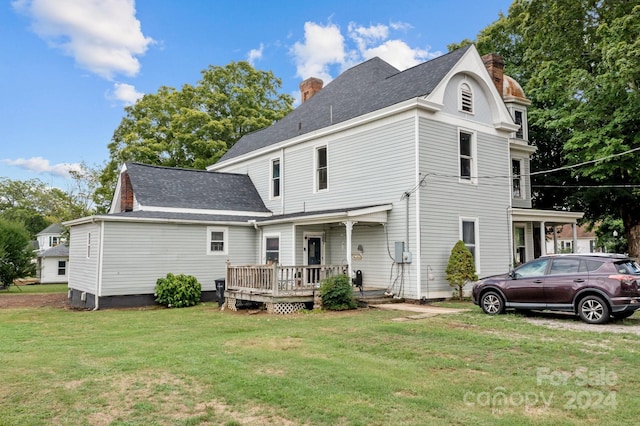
609 255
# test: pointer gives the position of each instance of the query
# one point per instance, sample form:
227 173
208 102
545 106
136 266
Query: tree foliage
15 253
194 126
578 64
461 268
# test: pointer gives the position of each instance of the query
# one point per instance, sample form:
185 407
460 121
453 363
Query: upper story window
322 169
54 241
217 240
466 98
520 118
275 178
467 156
516 178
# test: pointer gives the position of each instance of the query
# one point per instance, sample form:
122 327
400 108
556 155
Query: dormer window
466 98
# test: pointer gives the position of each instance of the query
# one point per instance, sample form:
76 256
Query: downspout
99 265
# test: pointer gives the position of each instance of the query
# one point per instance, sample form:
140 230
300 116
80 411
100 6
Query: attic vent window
466 98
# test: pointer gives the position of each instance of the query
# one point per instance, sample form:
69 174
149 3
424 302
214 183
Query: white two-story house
379 173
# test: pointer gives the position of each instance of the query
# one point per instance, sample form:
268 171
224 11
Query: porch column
348 228
555 238
543 239
575 237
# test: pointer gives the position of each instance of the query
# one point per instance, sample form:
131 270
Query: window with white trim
275 178
469 235
88 245
217 240
467 155
516 179
520 245
54 241
466 98
520 118
272 248
321 169
62 267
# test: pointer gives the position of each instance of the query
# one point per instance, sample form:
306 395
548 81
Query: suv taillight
627 282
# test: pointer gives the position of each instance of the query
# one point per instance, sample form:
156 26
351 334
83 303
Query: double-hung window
217 240
272 248
88 245
322 176
275 178
62 267
516 178
469 235
467 157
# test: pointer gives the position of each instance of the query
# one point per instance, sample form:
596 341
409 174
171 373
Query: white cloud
125 93
323 46
255 54
102 36
41 165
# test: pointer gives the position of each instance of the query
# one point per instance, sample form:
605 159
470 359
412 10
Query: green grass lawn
35 288
200 366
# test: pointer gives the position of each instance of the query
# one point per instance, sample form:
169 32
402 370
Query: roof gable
159 188
55 228
367 87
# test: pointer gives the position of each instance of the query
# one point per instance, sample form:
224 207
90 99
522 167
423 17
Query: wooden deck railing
279 280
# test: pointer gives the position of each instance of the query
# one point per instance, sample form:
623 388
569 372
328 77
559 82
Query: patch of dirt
570 322
53 300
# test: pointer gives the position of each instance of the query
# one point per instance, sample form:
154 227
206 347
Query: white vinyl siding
83 272
137 254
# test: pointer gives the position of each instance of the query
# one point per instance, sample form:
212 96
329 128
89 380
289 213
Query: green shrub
178 291
461 268
337 294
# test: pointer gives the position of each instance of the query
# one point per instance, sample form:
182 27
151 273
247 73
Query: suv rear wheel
593 310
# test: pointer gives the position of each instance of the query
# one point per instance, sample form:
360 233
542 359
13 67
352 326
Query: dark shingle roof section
156 186
61 250
183 217
367 87
55 228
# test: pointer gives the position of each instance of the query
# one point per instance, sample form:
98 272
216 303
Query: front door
314 257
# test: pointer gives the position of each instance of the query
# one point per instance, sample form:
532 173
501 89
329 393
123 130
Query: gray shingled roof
193 189
61 250
189 217
55 228
367 87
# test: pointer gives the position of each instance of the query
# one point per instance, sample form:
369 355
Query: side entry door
314 257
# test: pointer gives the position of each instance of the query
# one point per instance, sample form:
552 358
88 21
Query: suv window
566 266
628 267
593 265
535 268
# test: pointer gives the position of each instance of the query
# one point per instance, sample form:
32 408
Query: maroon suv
594 286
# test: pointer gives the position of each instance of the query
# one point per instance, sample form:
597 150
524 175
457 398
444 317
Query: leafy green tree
194 126
577 62
15 253
461 268
610 235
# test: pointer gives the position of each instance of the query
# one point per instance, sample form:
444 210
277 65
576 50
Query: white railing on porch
279 280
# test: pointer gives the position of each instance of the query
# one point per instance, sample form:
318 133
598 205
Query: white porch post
575 237
555 239
349 228
543 239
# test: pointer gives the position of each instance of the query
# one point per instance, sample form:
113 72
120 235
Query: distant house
52 255
50 237
561 240
53 265
378 174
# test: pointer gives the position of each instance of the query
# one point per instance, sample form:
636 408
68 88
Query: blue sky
69 67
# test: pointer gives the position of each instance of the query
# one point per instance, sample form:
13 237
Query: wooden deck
283 289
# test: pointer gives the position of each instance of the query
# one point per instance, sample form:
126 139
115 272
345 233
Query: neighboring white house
52 256
381 171
53 265
562 240
50 237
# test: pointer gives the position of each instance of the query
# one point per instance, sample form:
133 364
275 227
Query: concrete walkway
422 311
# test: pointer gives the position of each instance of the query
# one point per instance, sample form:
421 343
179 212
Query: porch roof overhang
371 214
548 216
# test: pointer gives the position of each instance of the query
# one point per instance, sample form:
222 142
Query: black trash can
220 285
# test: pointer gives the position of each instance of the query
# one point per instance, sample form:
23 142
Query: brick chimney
310 87
495 65
126 193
